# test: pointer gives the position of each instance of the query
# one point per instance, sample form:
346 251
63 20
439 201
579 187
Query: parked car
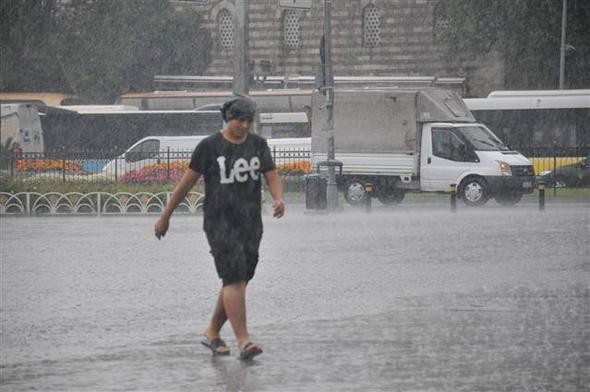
574 175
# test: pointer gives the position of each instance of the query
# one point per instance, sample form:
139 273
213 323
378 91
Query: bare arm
188 180
275 185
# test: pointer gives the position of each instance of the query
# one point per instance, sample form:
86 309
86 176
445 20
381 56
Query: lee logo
240 171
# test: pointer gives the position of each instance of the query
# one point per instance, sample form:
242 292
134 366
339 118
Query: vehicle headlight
504 168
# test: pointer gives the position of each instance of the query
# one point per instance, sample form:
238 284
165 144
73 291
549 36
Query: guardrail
95 203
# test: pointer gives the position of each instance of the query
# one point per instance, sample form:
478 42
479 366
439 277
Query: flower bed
294 168
48 165
162 173
156 174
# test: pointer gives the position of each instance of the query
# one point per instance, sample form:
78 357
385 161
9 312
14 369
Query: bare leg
234 301
218 319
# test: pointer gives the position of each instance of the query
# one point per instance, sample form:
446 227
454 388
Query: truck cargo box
384 120
377 131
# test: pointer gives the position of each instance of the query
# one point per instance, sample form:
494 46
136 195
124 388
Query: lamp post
241 74
562 54
331 191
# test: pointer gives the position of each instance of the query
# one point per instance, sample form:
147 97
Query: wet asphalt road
407 299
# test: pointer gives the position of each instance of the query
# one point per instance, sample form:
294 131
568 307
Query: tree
25 55
526 32
98 49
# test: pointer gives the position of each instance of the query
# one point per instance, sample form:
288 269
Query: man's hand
275 186
278 208
188 180
161 227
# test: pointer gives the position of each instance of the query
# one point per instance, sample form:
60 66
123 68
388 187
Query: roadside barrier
368 196
541 188
453 197
95 203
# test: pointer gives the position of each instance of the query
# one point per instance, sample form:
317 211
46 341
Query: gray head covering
243 108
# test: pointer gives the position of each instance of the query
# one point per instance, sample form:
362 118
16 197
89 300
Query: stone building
369 38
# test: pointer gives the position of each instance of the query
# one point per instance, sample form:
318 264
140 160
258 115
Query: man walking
232 162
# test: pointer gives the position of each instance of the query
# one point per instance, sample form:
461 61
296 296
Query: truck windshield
481 139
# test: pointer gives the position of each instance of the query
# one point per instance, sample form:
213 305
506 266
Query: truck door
444 158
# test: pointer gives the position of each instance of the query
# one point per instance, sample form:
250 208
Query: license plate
527 184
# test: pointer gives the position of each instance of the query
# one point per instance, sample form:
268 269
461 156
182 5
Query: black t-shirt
233 176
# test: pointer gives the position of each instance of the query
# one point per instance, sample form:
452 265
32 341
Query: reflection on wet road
408 299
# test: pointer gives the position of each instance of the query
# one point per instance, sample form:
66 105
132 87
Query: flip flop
214 345
249 351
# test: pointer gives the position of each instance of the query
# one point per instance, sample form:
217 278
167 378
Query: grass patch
579 193
294 188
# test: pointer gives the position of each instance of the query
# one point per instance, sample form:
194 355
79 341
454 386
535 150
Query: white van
162 149
152 150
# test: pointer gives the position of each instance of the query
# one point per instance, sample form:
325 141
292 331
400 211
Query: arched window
225 29
371 26
291 29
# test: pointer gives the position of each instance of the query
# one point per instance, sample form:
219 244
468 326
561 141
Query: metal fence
133 167
168 165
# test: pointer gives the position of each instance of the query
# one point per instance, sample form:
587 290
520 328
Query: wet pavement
413 298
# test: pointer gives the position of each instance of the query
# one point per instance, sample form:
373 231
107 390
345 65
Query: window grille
291 29
371 26
441 26
225 29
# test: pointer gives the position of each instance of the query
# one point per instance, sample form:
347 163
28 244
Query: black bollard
368 196
453 197
541 197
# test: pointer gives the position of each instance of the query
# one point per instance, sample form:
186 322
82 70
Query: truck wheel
354 192
508 198
388 193
474 191
392 197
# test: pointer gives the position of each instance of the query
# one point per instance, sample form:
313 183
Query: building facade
369 38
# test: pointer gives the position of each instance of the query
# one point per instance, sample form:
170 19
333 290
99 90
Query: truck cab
480 163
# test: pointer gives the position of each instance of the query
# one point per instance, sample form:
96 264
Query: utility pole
241 52
562 54
331 191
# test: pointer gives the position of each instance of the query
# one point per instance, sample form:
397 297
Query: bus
280 100
542 119
37 99
280 93
283 125
113 128
290 82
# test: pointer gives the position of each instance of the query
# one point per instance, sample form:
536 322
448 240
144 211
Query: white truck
402 140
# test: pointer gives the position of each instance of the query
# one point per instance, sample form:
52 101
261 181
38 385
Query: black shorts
235 251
